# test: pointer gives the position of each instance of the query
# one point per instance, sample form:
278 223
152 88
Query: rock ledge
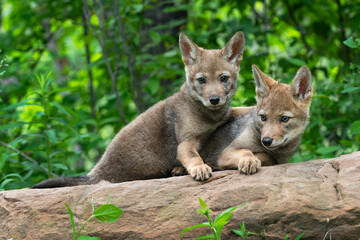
282 199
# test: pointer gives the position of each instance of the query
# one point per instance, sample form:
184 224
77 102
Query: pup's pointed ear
301 84
189 50
263 82
233 51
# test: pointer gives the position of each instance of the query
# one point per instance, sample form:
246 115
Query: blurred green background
72 73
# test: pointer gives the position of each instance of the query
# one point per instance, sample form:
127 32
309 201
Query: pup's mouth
271 148
214 107
218 106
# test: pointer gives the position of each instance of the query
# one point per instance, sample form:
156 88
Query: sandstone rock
282 199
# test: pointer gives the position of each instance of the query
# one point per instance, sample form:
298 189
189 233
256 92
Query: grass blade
193 227
299 236
71 219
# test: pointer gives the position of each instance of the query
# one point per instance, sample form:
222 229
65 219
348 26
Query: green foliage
352 43
216 225
105 213
107 70
242 232
297 237
220 221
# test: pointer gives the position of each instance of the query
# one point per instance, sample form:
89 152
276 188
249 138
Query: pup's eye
224 78
263 117
284 119
201 80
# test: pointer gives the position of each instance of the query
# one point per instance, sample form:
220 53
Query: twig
130 59
341 21
297 26
25 156
328 229
87 54
257 15
113 75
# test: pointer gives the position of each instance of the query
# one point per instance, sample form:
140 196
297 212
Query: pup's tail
63 182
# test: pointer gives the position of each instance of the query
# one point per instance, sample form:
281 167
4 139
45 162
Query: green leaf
20 104
5 182
286 237
223 220
108 213
355 127
170 54
202 204
51 134
297 62
12 175
205 211
206 237
346 143
60 166
13 125
60 90
299 236
350 42
60 108
40 113
88 238
193 227
155 36
71 219
326 150
242 226
238 232
350 89
154 85
218 217
61 121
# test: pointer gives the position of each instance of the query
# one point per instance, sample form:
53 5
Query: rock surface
282 199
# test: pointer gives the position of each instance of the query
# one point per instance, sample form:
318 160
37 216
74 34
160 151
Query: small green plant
298 237
353 87
242 232
105 213
216 225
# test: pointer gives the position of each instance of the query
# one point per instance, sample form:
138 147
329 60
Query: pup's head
211 74
283 110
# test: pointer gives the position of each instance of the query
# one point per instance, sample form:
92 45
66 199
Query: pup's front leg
242 159
189 157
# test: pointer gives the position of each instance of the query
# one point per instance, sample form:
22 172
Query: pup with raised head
270 133
170 134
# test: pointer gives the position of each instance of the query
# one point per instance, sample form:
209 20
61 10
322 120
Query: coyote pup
170 133
271 132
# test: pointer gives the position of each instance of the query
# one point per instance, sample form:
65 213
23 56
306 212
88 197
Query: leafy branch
216 225
105 213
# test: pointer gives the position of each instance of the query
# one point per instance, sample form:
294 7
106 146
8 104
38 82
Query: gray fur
170 133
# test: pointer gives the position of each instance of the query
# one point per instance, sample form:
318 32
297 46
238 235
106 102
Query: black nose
214 100
267 141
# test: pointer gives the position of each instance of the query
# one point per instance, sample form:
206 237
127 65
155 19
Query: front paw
249 165
201 172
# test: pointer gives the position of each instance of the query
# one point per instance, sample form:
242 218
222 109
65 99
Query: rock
282 199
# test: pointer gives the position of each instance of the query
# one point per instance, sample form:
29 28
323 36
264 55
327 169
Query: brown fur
170 133
238 144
